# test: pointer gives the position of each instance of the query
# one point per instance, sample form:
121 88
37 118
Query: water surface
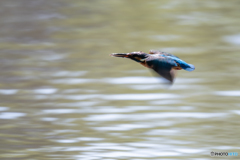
63 96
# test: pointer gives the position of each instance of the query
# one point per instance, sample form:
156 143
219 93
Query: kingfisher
163 63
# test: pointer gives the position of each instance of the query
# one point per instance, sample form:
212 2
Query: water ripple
11 115
45 90
69 74
131 80
236 111
59 111
3 108
147 116
228 93
146 80
162 132
233 39
73 81
122 127
112 109
146 96
75 140
188 150
8 91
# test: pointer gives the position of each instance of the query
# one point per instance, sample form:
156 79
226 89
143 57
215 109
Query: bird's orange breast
145 64
177 68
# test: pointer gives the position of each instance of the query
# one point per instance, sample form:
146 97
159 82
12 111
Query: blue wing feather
162 66
184 65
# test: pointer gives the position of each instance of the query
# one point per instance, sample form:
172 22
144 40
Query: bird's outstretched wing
163 66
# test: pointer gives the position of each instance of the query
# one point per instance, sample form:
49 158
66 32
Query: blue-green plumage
183 65
162 63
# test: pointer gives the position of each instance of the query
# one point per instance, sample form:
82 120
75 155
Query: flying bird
164 64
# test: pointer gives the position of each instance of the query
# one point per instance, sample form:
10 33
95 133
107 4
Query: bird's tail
190 68
184 65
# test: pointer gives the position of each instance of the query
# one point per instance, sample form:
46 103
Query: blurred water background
63 97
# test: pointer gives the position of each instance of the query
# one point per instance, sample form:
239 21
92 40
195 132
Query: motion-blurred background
63 97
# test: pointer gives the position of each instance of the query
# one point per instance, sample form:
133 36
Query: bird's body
162 63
